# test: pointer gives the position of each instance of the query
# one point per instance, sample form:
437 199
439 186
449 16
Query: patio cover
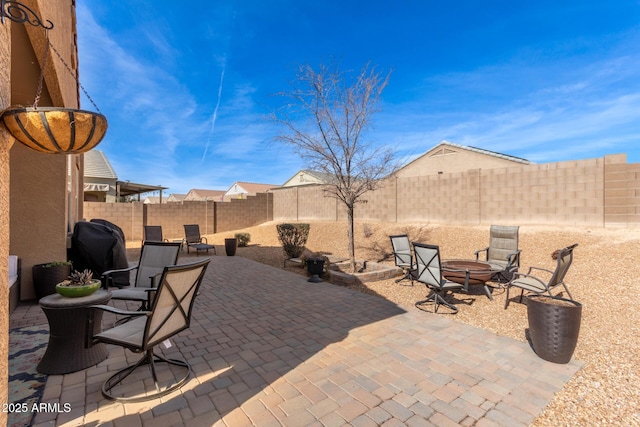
127 188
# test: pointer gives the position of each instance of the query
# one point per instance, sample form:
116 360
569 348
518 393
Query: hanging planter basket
55 130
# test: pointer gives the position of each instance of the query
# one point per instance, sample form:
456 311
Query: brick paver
269 348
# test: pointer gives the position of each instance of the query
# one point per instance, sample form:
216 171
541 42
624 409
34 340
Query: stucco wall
38 210
5 143
38 195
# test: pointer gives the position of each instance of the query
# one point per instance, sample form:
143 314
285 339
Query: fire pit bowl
455 270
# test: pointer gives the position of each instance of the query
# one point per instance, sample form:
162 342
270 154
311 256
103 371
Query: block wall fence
602 192
212 217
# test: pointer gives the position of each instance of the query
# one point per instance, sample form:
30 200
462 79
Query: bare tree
326 121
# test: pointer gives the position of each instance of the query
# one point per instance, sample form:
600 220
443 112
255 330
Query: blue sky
187 87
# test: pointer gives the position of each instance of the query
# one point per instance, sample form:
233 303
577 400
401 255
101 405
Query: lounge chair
193 239
529 283
153 233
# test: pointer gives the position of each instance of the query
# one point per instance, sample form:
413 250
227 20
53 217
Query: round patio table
470 271
67 318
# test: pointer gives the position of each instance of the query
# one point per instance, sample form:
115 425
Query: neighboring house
101 182
100 179
202 195
176 198
307 177
447 157
154 200
240 190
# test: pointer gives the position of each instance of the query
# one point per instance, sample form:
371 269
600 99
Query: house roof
176 196
96 165
483 151
252 187
201 194
154 200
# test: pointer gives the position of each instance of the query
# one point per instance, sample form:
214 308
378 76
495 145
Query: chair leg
487 291
567 289
506 300
438 300
149 359
407 276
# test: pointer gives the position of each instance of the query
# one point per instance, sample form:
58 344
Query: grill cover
99 245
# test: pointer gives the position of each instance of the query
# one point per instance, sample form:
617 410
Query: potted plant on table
79 284
46 276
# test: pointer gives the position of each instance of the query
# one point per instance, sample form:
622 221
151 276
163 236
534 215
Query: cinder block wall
242 213
127 216
173 216
285 205
603 192
621 193
212 217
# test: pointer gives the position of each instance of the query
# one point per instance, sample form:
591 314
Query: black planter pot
554 326
45 278
315 267
230 246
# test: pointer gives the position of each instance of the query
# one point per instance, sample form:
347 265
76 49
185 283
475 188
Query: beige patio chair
529 283
428 271
193 239
154 257
502 253
170 313
402 255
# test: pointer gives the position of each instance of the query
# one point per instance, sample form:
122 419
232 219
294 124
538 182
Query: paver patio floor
268 348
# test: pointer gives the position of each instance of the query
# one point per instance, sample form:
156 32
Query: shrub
293 238
243 239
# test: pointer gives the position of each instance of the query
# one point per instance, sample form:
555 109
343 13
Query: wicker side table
66 350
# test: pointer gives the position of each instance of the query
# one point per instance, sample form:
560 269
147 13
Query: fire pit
476 272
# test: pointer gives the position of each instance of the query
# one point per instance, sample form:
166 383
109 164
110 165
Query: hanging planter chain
74 76
45 56
50 129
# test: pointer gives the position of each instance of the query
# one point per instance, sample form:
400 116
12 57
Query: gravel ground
603 277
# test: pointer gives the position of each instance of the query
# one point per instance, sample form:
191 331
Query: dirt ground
603 278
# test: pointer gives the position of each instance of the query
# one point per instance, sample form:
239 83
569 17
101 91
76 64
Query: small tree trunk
350 228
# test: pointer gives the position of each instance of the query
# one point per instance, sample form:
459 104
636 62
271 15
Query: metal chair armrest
517 275
106 277
90 320
477 253
118 311
538 268
513 260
